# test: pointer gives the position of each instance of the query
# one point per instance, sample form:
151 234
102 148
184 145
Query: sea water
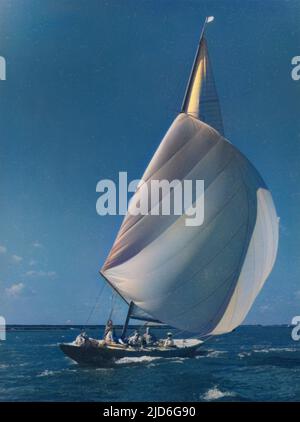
253 363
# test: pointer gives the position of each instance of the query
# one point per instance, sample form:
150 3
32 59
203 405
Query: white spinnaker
184 276
257 266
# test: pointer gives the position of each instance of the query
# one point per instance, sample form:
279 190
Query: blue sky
91 89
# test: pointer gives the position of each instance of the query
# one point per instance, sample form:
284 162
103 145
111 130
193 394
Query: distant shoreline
48 327
52 327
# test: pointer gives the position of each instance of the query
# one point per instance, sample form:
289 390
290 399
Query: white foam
275 349
178 360
4 366
46 373
244 354
216 394
102 369
140 359
215 353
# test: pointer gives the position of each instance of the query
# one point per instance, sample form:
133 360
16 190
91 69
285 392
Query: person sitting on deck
82 339
134 340
149 339
169 342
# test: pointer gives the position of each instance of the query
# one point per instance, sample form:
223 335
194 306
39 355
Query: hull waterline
105 356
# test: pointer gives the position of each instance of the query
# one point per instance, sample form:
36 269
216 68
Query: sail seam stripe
227 298
121 235
174 222
246 247
172 156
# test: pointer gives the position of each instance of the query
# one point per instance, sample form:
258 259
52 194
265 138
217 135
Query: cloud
19 289
17 258
46 274
15 289
37 244
2 249
32 262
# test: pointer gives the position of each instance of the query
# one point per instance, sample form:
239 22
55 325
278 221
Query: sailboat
201 279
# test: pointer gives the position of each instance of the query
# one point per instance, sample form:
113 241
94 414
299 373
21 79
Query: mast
190 84
127 320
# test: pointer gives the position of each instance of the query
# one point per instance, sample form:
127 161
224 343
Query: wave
149 360
49 373
242 355
276 349
265 350
216 394
212 354
104 369
178 360
140 359
216 353
15 365
46 373
51 345
4 366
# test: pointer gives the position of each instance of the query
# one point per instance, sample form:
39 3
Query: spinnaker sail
202 279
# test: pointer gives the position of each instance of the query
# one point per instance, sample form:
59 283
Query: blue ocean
254 363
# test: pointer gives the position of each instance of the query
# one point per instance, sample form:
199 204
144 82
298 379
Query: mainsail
201 98
202 279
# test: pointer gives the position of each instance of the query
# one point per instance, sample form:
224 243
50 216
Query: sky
91 89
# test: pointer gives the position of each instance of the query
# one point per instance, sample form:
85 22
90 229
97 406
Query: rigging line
95 305
179 332
142 326
113 296
111 285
